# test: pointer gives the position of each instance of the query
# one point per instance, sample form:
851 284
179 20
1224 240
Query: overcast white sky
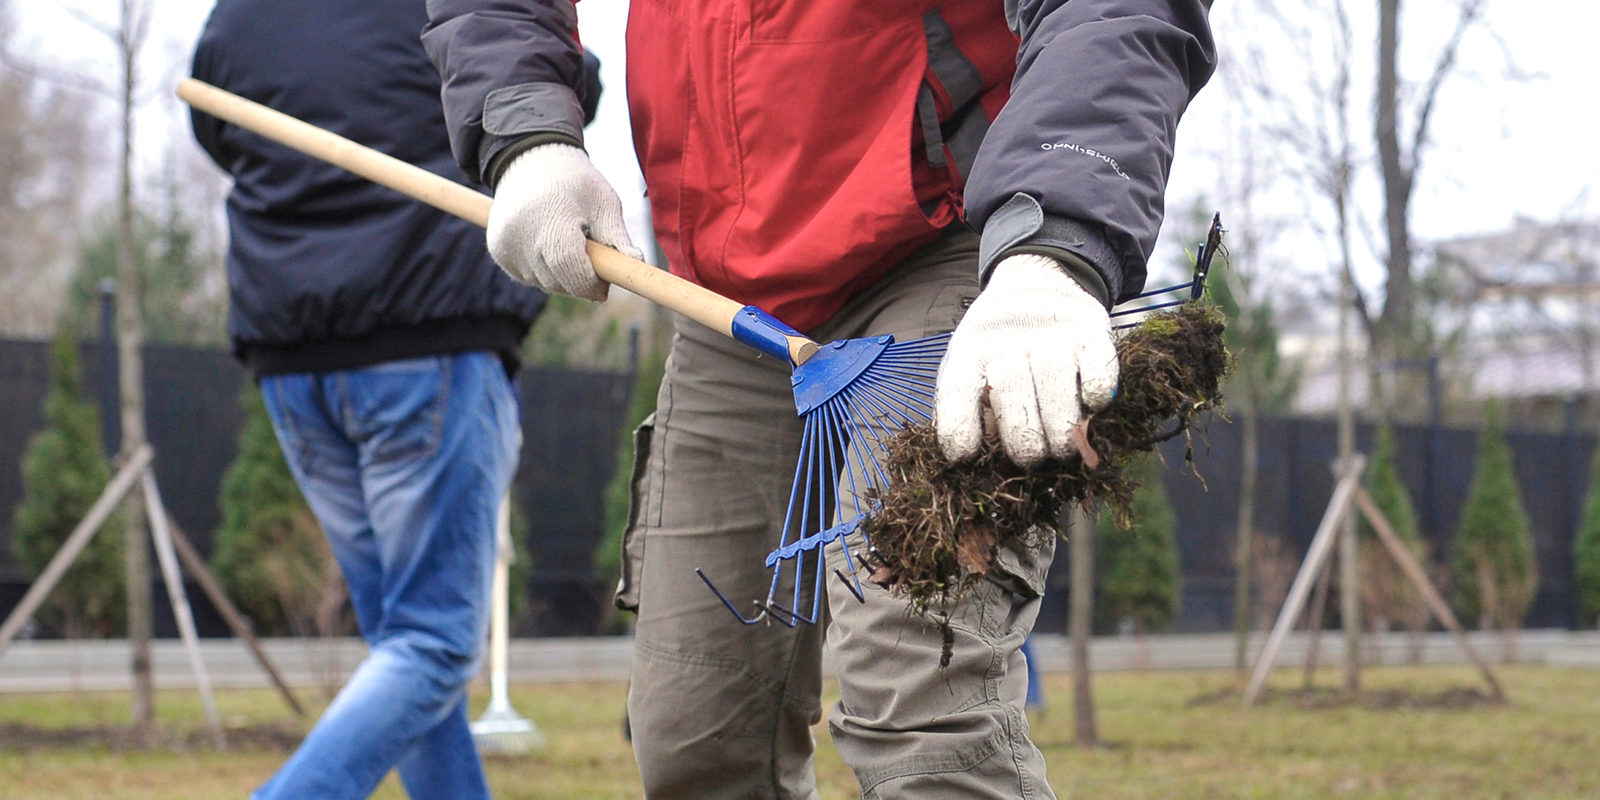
1501 150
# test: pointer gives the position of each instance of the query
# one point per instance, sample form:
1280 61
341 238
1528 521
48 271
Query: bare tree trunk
1349 556
1249 472
130 338
1339 193
1245 533
1253 378
1394 322
1080 624
1399 159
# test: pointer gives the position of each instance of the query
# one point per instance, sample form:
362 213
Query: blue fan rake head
853 395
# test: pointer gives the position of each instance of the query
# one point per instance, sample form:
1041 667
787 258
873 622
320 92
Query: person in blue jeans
1035 697
384 340
403 463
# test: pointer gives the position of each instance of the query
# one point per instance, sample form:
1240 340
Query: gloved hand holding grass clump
936 528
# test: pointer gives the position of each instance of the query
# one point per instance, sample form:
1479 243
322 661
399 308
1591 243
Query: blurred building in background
1512 316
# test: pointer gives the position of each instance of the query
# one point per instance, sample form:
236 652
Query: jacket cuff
500 161
514 113
1021 226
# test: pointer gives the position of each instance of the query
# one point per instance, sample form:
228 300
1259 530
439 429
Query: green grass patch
1416 732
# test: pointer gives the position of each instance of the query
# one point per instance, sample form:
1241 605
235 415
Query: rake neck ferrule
764 332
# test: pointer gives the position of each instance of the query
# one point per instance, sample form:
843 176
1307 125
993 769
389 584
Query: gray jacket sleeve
1076 164
513 73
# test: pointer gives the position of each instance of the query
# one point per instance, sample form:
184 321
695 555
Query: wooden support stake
1319 607
168 561
1321 544
76 541
169 541
1408 564
230 613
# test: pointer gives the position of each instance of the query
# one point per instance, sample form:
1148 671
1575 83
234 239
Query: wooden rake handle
658 285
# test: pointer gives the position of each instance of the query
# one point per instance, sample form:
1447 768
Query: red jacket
794 149
782 143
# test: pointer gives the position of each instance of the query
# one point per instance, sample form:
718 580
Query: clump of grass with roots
936 529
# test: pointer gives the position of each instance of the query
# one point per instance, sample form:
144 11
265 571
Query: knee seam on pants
990 631
930 765
731 665
702 660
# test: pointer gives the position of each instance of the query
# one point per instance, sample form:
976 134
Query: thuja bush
1493 568
64 470
270 554
1138 564
1586 549
1385 591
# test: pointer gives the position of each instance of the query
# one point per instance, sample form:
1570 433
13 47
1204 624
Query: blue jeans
404 464
1035 688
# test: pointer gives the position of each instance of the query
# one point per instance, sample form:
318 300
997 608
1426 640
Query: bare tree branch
62 78
1471 12
89 21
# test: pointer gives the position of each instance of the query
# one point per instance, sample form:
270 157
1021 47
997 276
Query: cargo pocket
1016 584
1021 569
643 493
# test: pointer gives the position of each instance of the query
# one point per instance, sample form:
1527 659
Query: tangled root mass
938 526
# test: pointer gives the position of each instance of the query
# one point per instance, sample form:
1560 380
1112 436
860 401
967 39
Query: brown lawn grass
1167 735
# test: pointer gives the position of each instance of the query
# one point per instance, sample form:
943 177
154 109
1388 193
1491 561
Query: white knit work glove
1037 347
548 201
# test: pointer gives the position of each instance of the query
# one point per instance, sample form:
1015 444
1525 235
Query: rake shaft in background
501 730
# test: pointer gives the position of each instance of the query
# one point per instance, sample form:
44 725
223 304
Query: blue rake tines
852 395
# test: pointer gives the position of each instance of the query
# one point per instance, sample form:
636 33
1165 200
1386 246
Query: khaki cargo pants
724 710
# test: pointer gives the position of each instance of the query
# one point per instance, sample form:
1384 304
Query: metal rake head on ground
860 392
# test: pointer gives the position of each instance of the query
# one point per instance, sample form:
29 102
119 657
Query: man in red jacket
817 159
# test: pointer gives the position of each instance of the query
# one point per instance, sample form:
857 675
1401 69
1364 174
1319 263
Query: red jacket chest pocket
825 20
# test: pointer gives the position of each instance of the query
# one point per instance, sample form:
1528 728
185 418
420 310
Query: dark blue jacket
329 271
